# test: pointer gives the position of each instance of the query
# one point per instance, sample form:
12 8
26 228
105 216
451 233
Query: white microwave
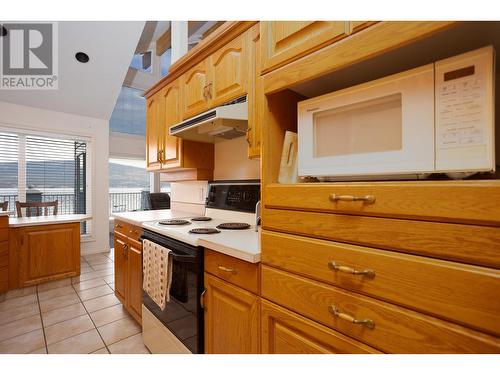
438 118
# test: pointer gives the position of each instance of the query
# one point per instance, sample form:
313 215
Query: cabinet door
194 87
284 332
172 114
285 41
48 252
134 279
120 267
255 96
153 128
229 70
231 318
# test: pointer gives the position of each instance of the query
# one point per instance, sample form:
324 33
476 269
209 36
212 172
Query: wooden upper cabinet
171 103
153 132
255 96
285 41
231 319
229 70
195 89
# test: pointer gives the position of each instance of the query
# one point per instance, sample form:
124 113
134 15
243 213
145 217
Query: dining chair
36 207
4 206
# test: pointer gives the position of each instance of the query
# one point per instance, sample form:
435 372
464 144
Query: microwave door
381 127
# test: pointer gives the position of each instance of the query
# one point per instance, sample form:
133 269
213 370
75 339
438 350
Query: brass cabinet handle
337 267
160 156
209 89
365 322
228 269
248 136
202 299
352 198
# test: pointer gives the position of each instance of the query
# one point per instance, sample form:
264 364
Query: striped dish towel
157 272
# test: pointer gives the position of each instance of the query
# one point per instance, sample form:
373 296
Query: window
128 185
142 61
42 169
129 114
165 62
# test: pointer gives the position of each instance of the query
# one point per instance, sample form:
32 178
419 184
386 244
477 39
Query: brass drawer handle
202 299
369 199
365 322
337 267
228 269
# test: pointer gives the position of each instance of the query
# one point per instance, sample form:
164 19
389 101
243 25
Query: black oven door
182 315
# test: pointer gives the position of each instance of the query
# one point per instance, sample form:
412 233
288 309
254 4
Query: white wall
232 163
46 122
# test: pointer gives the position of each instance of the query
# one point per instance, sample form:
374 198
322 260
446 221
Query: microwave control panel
464 127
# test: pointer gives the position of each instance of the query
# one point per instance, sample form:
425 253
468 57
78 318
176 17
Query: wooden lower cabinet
284 332
43 253
128 268
4 254
232 318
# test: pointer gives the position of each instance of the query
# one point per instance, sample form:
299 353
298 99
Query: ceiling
89 89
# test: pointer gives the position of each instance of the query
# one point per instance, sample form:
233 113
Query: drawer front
284 332
134 232
394 329
447 201
4 234
122 227
462 293
464 243
236 271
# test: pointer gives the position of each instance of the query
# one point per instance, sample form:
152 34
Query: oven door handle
183 258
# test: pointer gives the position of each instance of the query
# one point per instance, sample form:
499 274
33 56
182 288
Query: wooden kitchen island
40 249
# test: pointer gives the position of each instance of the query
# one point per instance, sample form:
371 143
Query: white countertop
46 220
139 217
241 244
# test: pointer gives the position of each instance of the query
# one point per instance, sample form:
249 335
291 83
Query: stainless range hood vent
227 121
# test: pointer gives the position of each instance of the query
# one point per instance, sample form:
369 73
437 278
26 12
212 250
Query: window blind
9 149
41 169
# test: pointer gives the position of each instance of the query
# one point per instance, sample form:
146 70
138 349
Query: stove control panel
239 196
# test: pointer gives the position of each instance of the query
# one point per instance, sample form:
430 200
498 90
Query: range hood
225 122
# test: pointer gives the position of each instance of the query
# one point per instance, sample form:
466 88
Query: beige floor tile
109 279
104 266
56 292
86 342
23 343
85 277
101 351
68 328
64 313
130 345
112 285
89 284
101 303
54 284
58 302
119 330
109 315
19 313
95 262
17 302
86 269
21 292
39 351
95 292
20 327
